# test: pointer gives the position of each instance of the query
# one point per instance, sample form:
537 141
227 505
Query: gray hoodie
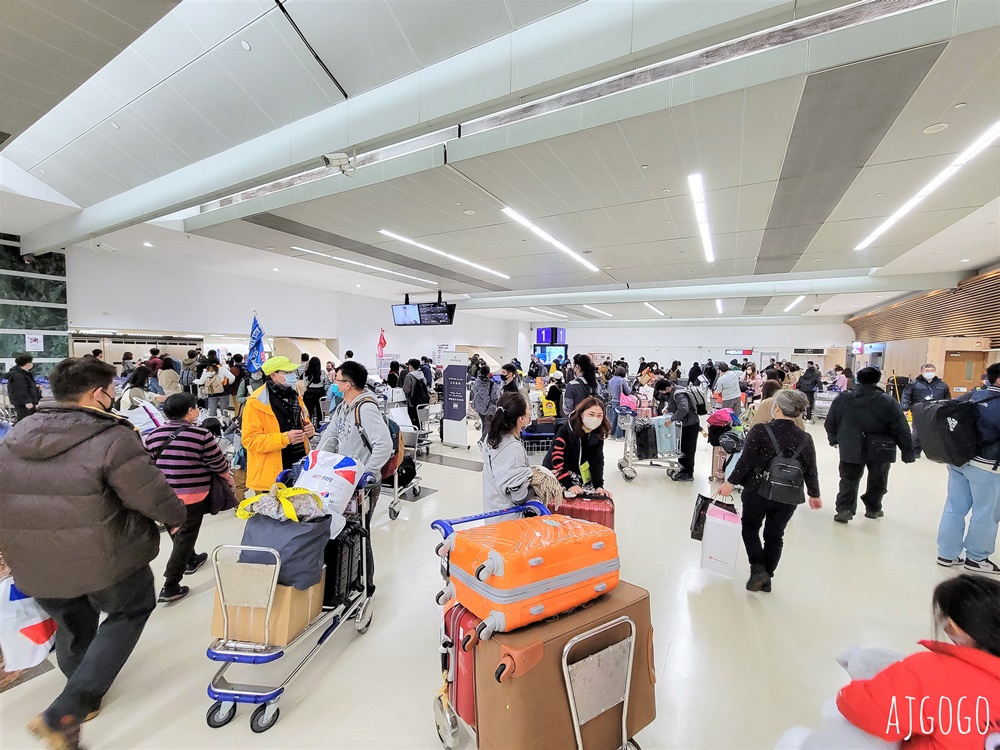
506 476
342 435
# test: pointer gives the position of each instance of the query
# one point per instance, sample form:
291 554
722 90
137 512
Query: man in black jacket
808 384
683 411
22 390
923 390
854 416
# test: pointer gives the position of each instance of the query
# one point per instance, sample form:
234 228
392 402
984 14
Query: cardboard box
291 613
530 710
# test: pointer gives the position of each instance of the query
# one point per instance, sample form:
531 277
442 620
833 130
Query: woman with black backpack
777 465
484 395
583 385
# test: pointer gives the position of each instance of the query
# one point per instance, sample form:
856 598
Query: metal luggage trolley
630 460
253 585
824 399
411 444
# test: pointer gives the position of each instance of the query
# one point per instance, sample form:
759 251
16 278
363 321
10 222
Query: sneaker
982 566
944 562
172 594
196 562
64 738
843 517
683 477
874 514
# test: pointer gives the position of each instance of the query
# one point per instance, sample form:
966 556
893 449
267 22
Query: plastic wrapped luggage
587 507
513 573
459 660
667 441
823 401
719 457
342 557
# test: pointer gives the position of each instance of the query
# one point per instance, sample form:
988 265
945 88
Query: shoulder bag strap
167 442
774 440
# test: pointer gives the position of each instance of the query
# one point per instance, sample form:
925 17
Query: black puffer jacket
919 390
867 410
809 381
78 497
21 387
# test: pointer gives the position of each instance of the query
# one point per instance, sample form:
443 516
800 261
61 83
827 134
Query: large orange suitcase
514 573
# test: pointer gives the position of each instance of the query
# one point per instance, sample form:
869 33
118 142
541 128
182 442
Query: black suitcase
645 441
342 557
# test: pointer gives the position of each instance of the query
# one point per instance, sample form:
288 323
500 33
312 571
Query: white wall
121 292
689 343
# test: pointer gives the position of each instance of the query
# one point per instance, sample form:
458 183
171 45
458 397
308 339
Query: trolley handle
447 525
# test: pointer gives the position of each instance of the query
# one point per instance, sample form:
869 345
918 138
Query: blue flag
255 357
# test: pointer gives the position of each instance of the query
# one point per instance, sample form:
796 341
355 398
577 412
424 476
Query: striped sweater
188 460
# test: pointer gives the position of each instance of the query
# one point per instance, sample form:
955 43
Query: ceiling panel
438 29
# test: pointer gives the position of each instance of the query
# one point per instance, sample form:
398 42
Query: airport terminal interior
810 187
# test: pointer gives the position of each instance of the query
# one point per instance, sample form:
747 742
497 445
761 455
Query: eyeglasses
340 380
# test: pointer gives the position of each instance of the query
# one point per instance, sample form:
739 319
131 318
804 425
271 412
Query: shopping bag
630 401
701 507
331 476
300 547
145 417
720 544
27 633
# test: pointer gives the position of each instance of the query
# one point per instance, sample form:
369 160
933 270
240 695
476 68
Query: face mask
592 423
111 403
335 390
928 375
291 378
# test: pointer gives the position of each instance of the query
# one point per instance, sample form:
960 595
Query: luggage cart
630 460
824 399
411 442
253 585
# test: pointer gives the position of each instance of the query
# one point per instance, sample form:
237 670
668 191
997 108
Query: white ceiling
188 88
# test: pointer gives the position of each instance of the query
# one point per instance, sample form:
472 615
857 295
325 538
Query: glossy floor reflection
734 669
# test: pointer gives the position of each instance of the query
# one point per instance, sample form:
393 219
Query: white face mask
592 423
929 375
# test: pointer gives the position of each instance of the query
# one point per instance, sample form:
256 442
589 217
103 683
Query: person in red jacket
947 697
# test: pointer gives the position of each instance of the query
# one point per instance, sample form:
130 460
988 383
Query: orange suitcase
514 573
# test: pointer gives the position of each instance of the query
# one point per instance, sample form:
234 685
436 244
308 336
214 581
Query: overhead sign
739 352
34 342
857 347
809 351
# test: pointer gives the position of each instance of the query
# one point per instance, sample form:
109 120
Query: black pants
21 412
184 539
311 399
811 395
850 482
689 445
774 517
92 655
412 411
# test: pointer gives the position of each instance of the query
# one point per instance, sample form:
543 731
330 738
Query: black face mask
110 407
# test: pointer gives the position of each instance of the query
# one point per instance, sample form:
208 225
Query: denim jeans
613 418
155 387
978 490
215 403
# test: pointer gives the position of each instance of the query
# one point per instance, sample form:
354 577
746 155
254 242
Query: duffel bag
300 546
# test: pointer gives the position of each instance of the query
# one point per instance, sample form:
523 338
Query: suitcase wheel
499 672
448 592
484 571
485 629
470 641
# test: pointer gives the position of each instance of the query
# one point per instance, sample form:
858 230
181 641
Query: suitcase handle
447 525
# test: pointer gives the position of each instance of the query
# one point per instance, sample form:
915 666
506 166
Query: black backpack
645 441
947 429
420 395
784 481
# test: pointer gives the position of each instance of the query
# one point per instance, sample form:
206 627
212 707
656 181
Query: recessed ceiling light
268 247
449 256
970 153
245 44
644 166
879 195
469 212
701 213
116 126
357 286
457 203
548 237
935 128
361 265
960 105
43 171
548 312
797 301
275 270
718 306
654 308
608 268
599 312
665 192
817 260
879 296
965 260
147 244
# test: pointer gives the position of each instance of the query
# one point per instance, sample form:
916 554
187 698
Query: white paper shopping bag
720 545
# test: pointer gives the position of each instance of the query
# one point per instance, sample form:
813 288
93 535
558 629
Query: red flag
381 343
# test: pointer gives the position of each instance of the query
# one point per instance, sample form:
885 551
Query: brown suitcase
719 457
529 709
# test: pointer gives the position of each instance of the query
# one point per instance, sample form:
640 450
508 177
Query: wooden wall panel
972 309
905 357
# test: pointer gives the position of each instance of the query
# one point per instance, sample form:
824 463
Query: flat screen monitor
436 313
548 354
406 315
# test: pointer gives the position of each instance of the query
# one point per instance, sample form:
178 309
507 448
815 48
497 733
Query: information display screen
424 314
548 354
406 315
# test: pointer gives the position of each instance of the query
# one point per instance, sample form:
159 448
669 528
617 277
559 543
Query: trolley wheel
622 463
628 474
416 491
446 721
393 512
257 724
218 717
633 744
363 621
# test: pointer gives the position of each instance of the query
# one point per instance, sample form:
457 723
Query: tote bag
27 633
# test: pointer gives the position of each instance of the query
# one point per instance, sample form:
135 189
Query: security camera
816 307
341 161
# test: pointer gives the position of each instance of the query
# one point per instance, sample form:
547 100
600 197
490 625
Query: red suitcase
460 634
589 507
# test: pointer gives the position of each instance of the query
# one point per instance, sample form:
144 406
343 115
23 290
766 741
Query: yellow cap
276 364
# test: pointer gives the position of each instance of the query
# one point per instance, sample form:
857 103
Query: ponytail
587 370
510 408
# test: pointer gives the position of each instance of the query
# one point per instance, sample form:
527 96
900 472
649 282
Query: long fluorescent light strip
797 301
718 306
548 312
701 214
655 309
599 312
983 142
362 265
442 253
548 238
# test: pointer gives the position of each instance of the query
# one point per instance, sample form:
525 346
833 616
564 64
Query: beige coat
170 381
763 414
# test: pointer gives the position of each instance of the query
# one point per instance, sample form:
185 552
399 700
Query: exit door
963 370
765 359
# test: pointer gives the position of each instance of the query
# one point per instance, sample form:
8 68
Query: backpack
482 399
420 395
784 481
947 429
395 434
407 471
697 400
187 377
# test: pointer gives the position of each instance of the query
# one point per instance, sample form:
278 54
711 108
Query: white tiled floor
734 669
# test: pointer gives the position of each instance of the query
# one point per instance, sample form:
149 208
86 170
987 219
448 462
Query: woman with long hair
316 386
754 381
392 379
577 453
506 473
137 389
584 383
